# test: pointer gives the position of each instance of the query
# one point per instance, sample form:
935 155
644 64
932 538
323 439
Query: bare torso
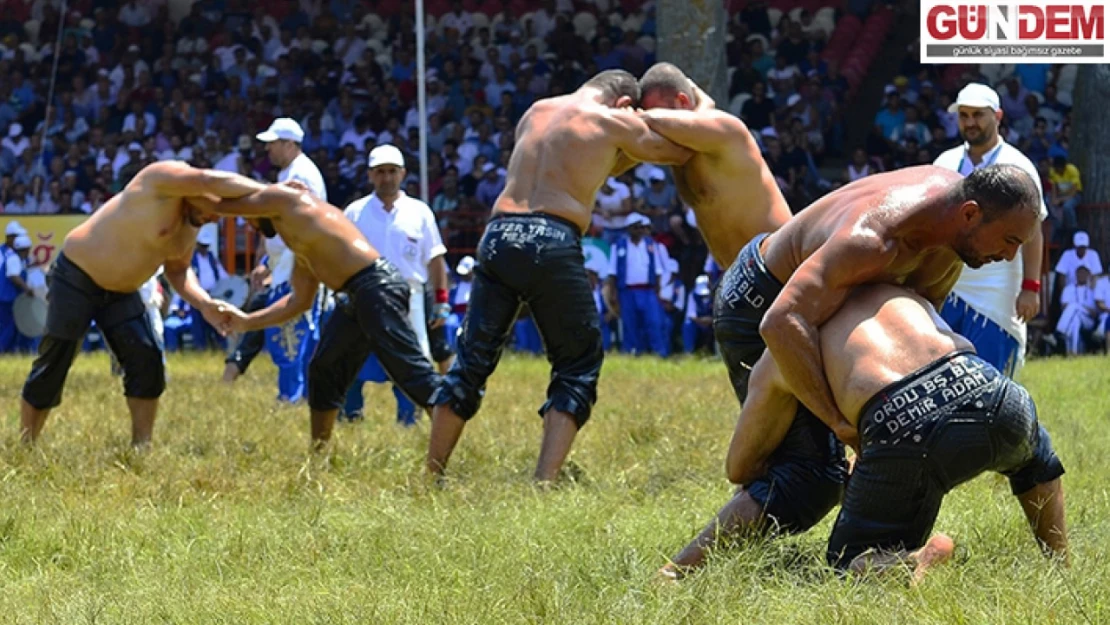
882 203
734 196
121 245
561 158
880 335
324 240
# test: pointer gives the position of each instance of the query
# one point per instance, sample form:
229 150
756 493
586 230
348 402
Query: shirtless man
932 415
728 184
531 252
98 273
913 227
372 299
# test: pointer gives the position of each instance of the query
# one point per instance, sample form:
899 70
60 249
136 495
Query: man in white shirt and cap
290 345
12 285
403 229
991 305
1080 255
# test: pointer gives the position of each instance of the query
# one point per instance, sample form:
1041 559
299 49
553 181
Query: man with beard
991 305
913 227
97 276
932 415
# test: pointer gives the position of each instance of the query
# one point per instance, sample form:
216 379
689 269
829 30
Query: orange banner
47 232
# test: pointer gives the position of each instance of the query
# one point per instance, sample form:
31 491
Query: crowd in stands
145 80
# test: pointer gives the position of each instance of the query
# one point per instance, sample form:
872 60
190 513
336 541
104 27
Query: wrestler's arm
179 273
269 201
177 179
701 131
304 286
764 421
635 139
817 290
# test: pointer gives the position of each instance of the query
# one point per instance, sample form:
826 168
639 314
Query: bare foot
937 551
669 574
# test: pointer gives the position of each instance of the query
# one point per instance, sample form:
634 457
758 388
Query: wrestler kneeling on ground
931 415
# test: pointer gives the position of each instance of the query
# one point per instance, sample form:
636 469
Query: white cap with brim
386 154
14 229
465 266
207 235
22 242
1080 239
637 219
701 285
282 128
978 96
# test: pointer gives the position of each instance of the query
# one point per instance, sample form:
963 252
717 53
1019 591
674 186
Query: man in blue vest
11 231
13 283
634 272
209 272
697 330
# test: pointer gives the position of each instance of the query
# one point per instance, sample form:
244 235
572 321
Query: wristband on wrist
441 296
1031 285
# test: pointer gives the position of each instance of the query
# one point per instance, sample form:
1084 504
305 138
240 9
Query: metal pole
421 101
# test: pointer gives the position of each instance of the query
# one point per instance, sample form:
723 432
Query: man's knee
144 371
574 391
43 388
462 396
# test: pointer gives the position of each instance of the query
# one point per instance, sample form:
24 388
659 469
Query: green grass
229 519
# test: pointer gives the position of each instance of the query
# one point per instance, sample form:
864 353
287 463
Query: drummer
13 284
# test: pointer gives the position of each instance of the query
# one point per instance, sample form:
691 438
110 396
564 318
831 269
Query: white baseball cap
1080 239
14 229
22 242
207 235
638 219
976 95
282 128
386 154
465 266
701 285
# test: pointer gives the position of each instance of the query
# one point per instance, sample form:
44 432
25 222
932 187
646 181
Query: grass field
229 519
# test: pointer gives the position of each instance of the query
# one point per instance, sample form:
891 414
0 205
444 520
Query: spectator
758 111
493 182
660 200
1080 255
860 167
1067 188
1080 312
612 206
892 116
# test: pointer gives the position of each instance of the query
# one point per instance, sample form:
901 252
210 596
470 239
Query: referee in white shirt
403 229
991 305
283 145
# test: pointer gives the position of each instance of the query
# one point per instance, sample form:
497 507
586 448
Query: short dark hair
665 79
615 83
1000 189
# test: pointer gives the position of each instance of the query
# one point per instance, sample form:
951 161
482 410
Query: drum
233 290
30 315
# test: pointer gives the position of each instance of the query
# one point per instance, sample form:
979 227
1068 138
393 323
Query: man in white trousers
291 345
403 229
